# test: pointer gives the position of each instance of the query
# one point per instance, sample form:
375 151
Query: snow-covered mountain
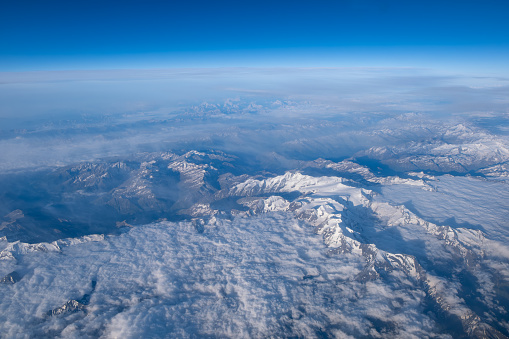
221 248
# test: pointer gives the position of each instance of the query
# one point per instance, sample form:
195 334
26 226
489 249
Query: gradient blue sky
56 35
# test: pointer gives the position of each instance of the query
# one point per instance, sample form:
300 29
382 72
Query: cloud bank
83 115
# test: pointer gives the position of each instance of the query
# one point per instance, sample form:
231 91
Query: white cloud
239 278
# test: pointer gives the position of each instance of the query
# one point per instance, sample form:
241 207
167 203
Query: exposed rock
11 278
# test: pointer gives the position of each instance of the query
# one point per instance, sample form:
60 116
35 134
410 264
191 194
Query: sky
64 35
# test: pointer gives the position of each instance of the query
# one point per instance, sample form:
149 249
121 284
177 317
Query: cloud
239 278
81 115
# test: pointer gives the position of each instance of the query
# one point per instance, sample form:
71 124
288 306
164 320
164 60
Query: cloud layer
261 276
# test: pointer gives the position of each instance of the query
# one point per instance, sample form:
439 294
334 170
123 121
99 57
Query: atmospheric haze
254 202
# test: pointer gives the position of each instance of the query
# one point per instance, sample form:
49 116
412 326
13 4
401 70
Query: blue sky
46 35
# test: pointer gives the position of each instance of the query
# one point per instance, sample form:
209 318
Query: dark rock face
11 278
73 306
